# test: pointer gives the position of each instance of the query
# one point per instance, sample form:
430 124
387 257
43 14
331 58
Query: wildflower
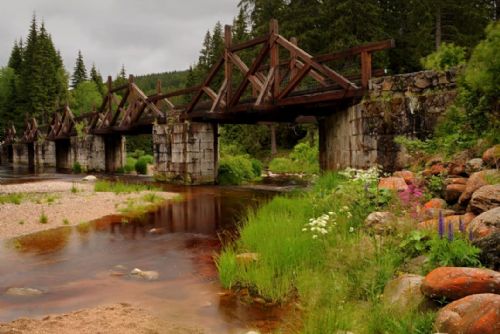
315 236
471 236
351 229
461 226
441 224
450 232
349 215
304 229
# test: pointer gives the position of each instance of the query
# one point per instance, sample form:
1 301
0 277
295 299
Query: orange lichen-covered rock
408 176
476 181
475 314
454 283
435 203
393 183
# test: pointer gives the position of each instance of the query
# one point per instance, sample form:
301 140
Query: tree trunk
438 28
274 149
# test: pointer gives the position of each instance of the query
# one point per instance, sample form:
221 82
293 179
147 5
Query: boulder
25 292
435 169
393 183
485 224
453 283
456 169
476 314
408 176
474 165
453 192
476 181
485 198
403 294
456 180
247 258
380 222
435 203
89 178
490 250
491 156
147 275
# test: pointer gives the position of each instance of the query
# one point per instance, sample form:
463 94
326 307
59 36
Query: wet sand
61 206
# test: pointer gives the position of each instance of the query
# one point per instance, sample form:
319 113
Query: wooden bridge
266 79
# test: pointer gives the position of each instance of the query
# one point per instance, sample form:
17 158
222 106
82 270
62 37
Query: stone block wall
20 156
363 134
89 152
186 152
45 154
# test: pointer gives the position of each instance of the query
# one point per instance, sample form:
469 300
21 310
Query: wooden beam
249 44
307 58
265 87
275 56
366 68
209 78
293 58
220 96
294 82
228 66
244 69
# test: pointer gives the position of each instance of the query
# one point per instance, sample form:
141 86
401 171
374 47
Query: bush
303 159
446 57
130 164
235 170
256 167
141 166
137 154
77 168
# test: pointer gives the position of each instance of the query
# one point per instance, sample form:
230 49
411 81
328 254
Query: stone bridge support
6 154
362 135
186 153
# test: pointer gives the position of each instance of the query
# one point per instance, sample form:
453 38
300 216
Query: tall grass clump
120 187
313 249
234 170
15 198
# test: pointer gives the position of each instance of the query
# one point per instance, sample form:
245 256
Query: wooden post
275 56
274 149
293 59
366 69
158 87
228 66
110 100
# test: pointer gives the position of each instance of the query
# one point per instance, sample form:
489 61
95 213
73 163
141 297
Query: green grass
338 277
12 199
43 218
122 188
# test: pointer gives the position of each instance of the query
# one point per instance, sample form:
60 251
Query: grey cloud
147 36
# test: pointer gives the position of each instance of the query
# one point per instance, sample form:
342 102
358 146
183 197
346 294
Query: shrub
137 154
448 56
43 218
256 167
141 166
77 168
235 170
303 159
130 164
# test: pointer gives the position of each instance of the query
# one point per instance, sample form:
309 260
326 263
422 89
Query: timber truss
266 79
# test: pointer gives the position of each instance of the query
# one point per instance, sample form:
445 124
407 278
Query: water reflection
74 265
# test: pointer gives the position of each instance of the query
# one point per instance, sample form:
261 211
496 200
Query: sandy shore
113 319
61 206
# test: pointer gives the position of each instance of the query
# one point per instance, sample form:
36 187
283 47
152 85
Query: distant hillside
170 81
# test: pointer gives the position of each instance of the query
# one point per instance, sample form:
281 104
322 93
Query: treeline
34 82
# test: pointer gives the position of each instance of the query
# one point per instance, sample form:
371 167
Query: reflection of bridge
281 83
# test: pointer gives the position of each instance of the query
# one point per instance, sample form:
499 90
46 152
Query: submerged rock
454 283
475 314
147 275
89 178
23 292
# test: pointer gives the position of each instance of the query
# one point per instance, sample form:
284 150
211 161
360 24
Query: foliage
80 72
77 168
143 143
416 243
236 170
435 185
137 154
84 97
43 218
256 167
303 159
120 187
141 166
446 57
130 165
458 252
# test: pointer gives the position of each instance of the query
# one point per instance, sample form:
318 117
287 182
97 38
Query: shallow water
76 266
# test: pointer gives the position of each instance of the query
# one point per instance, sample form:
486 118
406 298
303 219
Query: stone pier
363 135
186 153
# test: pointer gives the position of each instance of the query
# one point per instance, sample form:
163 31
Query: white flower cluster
321 225
367 176
345 209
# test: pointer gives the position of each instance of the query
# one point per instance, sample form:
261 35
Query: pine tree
79 72
203 60
96 77
122 74
16 57
240 27
216 44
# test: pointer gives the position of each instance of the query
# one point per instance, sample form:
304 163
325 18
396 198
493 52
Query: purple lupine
441 225
450 232
461 226
471 236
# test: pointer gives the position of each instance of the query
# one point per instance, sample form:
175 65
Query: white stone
23 292
89 178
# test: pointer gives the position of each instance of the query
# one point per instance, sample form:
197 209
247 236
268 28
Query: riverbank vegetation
313 248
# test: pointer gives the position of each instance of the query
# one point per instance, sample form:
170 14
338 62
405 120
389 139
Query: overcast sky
145 35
